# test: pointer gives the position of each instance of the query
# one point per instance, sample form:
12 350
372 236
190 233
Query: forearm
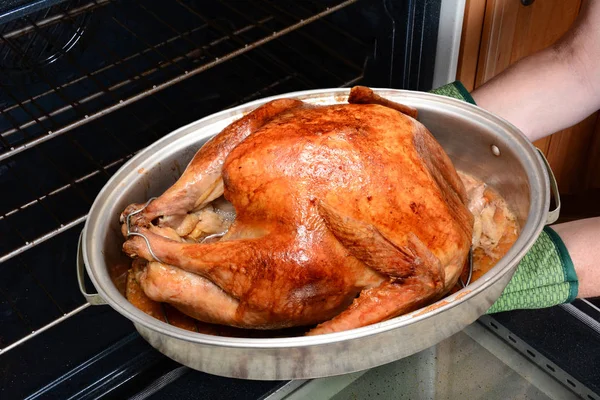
554 88
537 94
582 239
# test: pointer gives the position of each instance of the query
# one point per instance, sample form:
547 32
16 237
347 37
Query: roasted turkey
342 216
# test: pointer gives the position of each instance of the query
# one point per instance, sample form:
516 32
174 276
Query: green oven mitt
545 276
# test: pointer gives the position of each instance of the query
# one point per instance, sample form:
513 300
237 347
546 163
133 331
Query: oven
86 84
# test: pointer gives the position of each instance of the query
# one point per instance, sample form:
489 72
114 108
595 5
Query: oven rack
17 138
55 159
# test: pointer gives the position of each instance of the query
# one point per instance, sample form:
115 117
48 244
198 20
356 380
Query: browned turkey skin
345 215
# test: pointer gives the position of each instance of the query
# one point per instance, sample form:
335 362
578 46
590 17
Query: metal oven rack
116 63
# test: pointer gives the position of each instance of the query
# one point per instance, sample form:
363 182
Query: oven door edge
448 41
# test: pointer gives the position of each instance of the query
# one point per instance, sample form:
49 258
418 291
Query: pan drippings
495 227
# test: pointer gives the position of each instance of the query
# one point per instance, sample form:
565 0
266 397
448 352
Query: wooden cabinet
496 34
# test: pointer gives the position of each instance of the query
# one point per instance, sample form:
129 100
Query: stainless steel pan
477 142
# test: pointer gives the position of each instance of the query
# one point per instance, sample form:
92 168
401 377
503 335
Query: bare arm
549 91
582 239
554 88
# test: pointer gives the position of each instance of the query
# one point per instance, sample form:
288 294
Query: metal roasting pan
467 133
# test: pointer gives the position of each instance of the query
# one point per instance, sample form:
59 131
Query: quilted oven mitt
545 276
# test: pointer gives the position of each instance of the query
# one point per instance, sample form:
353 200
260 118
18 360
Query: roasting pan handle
553 215
94 299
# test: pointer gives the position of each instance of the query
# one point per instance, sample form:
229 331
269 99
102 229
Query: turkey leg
187 292
227 263
201 181
199 298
